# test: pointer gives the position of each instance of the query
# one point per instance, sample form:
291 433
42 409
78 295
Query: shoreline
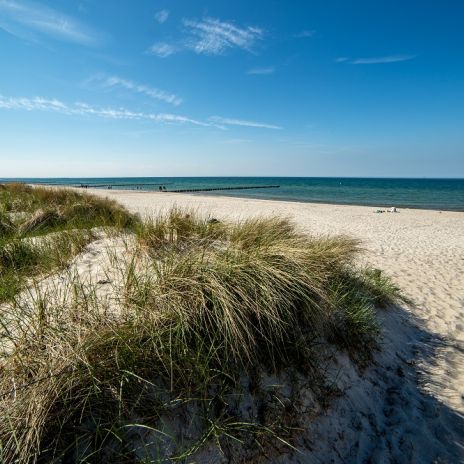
239 197
328 203
283 200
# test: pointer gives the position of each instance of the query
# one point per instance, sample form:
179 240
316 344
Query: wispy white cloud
240 122
268 70
79 108
211 36
29 104
157 94
163 49
383 59
85 109
376 59
305 34
162 16
30 20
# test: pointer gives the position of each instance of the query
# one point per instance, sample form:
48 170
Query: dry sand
408 406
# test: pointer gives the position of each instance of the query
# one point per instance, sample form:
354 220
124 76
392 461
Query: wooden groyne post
240 187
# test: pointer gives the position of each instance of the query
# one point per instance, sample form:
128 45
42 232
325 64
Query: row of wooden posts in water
162 188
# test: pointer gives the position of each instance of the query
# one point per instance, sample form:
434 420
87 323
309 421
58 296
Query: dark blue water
440 194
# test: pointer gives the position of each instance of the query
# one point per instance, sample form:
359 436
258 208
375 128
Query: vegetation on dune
27 212
58 209
206 310
22 259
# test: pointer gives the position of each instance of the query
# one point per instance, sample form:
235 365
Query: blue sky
159 88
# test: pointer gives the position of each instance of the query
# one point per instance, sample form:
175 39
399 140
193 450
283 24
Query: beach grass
60 209
204 311
65 220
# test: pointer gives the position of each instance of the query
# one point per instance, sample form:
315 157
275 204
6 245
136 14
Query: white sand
408 406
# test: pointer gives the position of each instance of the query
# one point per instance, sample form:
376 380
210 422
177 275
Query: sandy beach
408 406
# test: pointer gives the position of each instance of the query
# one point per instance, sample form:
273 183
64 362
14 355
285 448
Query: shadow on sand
385 415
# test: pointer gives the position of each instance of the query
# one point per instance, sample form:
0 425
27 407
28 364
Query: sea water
439 194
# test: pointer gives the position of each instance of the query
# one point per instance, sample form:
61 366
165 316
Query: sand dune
422 250
408 406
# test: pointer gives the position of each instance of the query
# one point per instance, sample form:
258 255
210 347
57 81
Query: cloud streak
85 109
163 49
79 108
162 16
240 122
376 60
261 71
157 94
211 36
29 20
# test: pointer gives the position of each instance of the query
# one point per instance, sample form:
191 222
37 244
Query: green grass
67 214
22 260
71 209
202 306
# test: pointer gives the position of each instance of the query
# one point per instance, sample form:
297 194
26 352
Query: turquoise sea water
440 194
